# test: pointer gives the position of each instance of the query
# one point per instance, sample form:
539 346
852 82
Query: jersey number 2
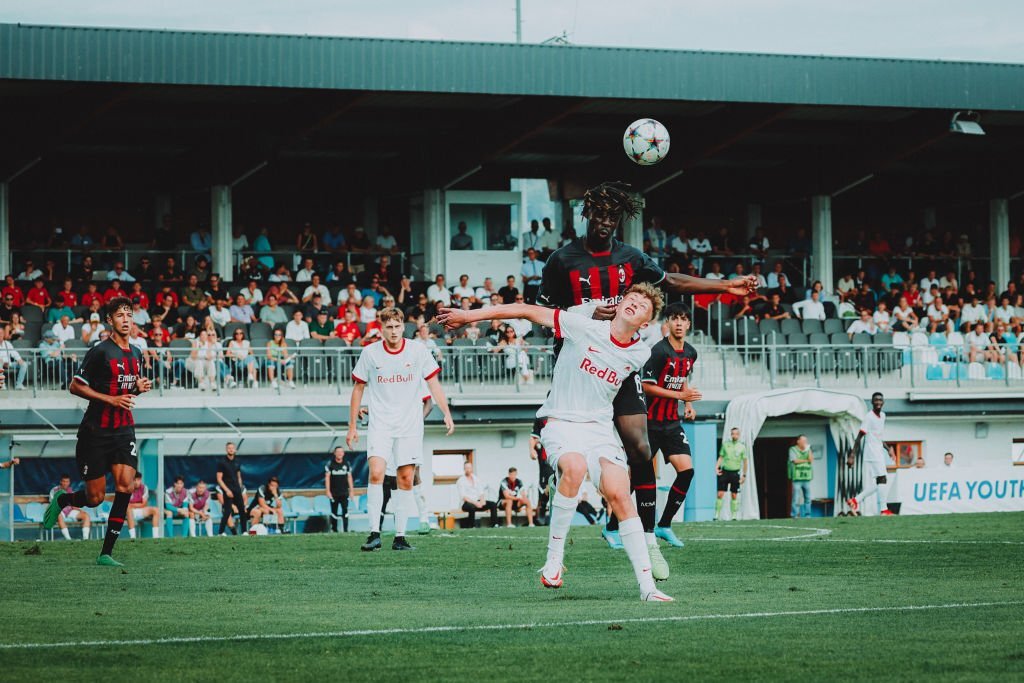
135 451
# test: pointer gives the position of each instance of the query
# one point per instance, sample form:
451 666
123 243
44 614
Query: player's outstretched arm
454 317
437 393
353 414
678 283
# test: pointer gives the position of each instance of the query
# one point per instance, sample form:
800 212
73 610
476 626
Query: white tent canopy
749 412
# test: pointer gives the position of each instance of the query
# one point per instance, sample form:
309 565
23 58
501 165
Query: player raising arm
393 370
110 379
597 357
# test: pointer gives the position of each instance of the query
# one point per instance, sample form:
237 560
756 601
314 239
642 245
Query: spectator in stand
240 358
513 497
865 298
929 281
973 313
280 274
531 238
91 294
306 242
938 314
83 239
1011 343
979 346
716 272
904 317
60 310
759 244
137 339
800 245
16 328
509 292
271 313
892 279
115 291
321 328
350 294
12 291
91 329
139 509
1005 313
171 273
252 293
203 360
70 513
882 319
846 288
461 241
738 272
913 296
144 270
38 296
513 346
8 310
374 331
656 235
280 361
531 272
314 288
347 329
63 330
744 308
812 308
375 290
333 241
473 497
359 243
463 290
340 274
548 238
438 293
176 506
367 312
700 246
787 294
385 241
284 294
773 310
863 325
192 293
119 273
297 328
772 280
948 281
306 273
879 246
242 312
484 293
11 361
221 315
84 272
756 272
261 246
187 329
30 272
55 365
428 339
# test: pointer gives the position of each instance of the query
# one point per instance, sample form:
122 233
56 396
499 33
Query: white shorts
397 451
875 468
594 440
76 516
139 514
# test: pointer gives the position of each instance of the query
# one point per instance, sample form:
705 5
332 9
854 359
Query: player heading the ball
392 370
597 357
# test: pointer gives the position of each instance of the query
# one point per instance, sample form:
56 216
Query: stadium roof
257 60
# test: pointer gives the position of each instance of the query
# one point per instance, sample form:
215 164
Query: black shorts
98 450
630 399
669 439
727 478
546 472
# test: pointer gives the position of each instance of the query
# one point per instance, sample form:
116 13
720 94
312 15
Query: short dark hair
512 469
676 309
116 304
178 478
877 394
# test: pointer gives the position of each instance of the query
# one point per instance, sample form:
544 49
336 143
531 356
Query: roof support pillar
633 228
5 230
435 233
220 229
821 240
999 241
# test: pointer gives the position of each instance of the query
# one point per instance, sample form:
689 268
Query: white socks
85 532
65 533
650 538
421 503
883 497
156 532
192 527
563 508
402 500
374 504
209 526
631 532
131 532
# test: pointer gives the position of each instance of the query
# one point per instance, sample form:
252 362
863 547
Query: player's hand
363 412
743 478
689 413
449 424
718 471
352 437
15 461
143 384
687 394
124 402
603 313
229 494
742 286
849 459
451 318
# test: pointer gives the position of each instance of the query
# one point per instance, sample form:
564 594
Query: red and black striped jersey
538 426
572 275
668 369
110 370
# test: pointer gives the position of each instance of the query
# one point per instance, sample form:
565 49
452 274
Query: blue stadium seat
995 371
936 371
322 506
302 506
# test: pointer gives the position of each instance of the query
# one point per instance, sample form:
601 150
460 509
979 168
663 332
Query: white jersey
395 382
590 369
873 425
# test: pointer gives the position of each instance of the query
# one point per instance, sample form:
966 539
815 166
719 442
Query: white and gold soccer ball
646 142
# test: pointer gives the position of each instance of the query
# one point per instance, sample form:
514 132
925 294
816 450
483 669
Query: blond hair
651 293
389 314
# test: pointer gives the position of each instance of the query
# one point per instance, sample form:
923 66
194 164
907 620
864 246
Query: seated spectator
11 362
321 328
385 241
309 310
314 288
1005 313
349 294
738 272
199 505
91 295
367 312
203 360
773 310
700 246
280 274
929 281
879 246
136 292
61 310
347 328
187 329
422 309
811 309
772 280
865 297
461 241
140 510
144 271
404 296
171 274
937 314
904 318
680 243
176 507
119 273
84 272
306 273
979 347
891 279
240 357
201 241
12 292
334 242
30 272
241 312
192 293
16 328
759 244
438 293
744 308
92 328
252 293
881 318
70 513
973 313
484 293
268 502
1011 343
115 290
374 331
863 325
138 340
63 330
139 315
473 497
297 328
221 315
513 346
55 366
522 326
376 290
271 313
513 497
948 281
429 340
8 310
463 290
201 269
341 274
846 288
38 296
913 296
508 293
279 360
158 331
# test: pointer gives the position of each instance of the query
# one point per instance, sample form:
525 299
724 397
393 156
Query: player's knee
93 498
638 451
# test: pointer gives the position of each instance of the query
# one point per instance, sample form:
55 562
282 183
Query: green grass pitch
913 598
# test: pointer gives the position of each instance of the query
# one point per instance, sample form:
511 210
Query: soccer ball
646 142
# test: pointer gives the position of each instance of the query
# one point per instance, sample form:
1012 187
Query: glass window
908 453
488 227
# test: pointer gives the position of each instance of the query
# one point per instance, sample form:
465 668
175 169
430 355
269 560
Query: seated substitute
176 506
267 501
139 508
199 505
70 513
512 495
474 497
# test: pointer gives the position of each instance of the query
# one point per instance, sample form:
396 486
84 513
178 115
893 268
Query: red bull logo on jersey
395 379
607 374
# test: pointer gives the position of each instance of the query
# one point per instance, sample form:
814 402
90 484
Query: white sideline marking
179 640
811 532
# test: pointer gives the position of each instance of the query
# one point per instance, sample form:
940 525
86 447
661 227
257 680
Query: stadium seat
768 326
31 314
322 506
995 371
936 371
229 330
259 332
919 339
882 338
790 327
975 371
861 339
833 325
312 364
900 340
410 330
810 327
1014 372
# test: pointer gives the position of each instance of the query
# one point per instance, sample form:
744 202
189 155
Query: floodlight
967 123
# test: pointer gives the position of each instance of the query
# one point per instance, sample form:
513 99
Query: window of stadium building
907 453
447 465
483 226
1018 452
